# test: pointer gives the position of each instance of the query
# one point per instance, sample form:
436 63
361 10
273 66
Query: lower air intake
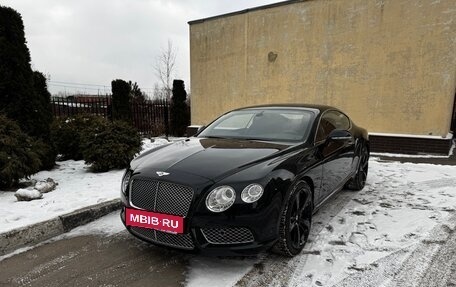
182 241
227 235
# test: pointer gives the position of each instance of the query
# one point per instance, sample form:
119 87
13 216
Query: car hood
206 157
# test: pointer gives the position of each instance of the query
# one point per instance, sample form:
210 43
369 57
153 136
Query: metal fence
150 117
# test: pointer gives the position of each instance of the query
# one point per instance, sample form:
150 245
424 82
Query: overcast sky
94 42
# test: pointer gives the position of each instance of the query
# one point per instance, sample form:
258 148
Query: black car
248 181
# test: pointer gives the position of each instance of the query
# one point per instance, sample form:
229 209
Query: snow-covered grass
77 188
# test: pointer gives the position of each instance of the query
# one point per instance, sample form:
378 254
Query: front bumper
221 236
244 229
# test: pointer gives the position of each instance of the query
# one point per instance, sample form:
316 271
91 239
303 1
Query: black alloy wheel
295 221
359 180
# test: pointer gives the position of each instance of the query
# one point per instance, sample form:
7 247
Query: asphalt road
118 260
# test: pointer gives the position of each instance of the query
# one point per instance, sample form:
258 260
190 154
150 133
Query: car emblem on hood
162 173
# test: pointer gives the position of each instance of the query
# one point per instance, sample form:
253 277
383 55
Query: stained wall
389 64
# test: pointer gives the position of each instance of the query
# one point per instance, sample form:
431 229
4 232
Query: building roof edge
262 7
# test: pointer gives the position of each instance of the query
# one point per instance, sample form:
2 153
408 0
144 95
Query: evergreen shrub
109 145
66 134
19 153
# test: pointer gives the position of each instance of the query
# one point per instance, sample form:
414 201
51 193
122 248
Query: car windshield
287 125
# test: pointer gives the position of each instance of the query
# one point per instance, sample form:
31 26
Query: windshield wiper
254 139
214 137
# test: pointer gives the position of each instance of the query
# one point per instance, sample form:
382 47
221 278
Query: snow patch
452 148
148 144
217 272
45 185
23 194
107 225
77 188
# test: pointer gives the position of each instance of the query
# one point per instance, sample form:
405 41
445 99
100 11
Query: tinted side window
324 129
330 121
338 120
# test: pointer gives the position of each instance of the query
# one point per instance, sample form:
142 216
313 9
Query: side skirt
337 189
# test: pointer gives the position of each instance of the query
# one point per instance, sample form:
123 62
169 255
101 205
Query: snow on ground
399 207
206 271
77 188
28 194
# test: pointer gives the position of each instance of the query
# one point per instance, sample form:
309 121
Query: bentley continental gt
247 182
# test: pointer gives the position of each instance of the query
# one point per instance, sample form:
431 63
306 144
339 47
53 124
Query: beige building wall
389 64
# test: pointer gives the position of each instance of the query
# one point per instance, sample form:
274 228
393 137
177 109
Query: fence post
109 107
166 120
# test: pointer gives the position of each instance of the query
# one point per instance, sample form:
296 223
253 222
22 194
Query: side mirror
200 129
339 135
194 130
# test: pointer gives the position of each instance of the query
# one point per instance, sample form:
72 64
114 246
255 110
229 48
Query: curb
41 231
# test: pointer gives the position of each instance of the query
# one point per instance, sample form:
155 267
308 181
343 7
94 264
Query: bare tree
165 67
158 93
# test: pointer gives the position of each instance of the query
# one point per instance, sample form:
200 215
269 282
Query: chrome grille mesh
228 235
173 198
143 193
161 196
183 241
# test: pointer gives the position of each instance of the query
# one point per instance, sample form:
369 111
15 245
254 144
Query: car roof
320 108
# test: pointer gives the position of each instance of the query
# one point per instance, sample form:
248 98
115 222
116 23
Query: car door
336 155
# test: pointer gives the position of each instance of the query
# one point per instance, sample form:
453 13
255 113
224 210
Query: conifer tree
44 120
17 96
121 99
23 94
180 115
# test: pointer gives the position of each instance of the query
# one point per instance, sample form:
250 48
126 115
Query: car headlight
126 181
220 198
252 193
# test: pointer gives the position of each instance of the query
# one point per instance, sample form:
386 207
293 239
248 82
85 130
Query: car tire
359 180
295 221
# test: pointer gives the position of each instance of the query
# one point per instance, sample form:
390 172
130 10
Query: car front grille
227 235
160 196
182 241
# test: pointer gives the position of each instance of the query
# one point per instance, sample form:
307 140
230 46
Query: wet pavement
118 260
